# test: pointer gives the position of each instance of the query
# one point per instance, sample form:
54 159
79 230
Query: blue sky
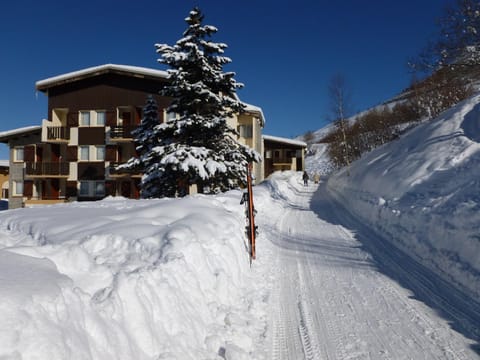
285 52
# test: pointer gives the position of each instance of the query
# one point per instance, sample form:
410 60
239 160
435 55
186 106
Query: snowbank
423 191
126 279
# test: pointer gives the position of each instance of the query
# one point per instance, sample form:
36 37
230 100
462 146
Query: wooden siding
104 92
91 136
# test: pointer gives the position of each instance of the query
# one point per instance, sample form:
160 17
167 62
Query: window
100 153
18 188
84 153
246 131
92 188
171 116
84 118
101 116
84 188
99 188
19 154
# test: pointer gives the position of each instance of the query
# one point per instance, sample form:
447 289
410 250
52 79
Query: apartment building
73 155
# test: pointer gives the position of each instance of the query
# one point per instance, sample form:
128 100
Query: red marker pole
251 209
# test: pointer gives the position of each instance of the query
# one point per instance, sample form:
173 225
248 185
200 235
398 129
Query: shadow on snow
460 310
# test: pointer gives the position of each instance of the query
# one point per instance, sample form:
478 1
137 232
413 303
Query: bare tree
340 108
457 43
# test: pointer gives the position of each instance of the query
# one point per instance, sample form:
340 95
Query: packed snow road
339 292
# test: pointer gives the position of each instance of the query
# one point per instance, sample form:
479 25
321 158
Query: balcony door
126 119
126 189
54 188
50 189
39 153
55 153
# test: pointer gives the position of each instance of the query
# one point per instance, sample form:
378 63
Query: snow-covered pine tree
198 146
145 139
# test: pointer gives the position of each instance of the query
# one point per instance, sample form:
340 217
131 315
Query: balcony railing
122 132
283 160
47 169
113 171
58 133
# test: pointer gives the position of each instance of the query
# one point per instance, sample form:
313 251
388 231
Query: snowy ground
170 279
340 291
380 264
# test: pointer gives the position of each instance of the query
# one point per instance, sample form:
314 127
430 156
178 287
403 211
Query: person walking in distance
316 177
305 178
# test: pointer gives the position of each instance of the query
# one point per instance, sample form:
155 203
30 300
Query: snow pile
423 191
127 279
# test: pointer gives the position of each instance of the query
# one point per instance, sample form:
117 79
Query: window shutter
138 115
72 119
71 188
29 153
111 118
110 153
110 188
72 153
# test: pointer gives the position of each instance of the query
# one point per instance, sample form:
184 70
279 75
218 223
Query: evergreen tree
145 139
198 146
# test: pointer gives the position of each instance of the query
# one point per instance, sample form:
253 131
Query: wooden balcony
58 134
282 161
114 172
122 132
47 169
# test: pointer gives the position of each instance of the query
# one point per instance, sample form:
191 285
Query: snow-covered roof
5 135
43 85
253 108
4 163
284 140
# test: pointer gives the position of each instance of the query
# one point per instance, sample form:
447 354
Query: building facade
282 154
73 155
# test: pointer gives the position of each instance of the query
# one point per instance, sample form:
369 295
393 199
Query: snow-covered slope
423 191
317 160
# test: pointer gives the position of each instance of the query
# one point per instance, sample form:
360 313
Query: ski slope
339 291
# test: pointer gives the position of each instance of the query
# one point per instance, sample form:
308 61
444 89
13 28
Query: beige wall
3 181
254 141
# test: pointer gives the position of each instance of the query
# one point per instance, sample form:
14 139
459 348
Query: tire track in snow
304 324
330 301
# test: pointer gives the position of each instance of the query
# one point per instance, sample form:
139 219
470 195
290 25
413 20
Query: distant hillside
423 192
423 100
